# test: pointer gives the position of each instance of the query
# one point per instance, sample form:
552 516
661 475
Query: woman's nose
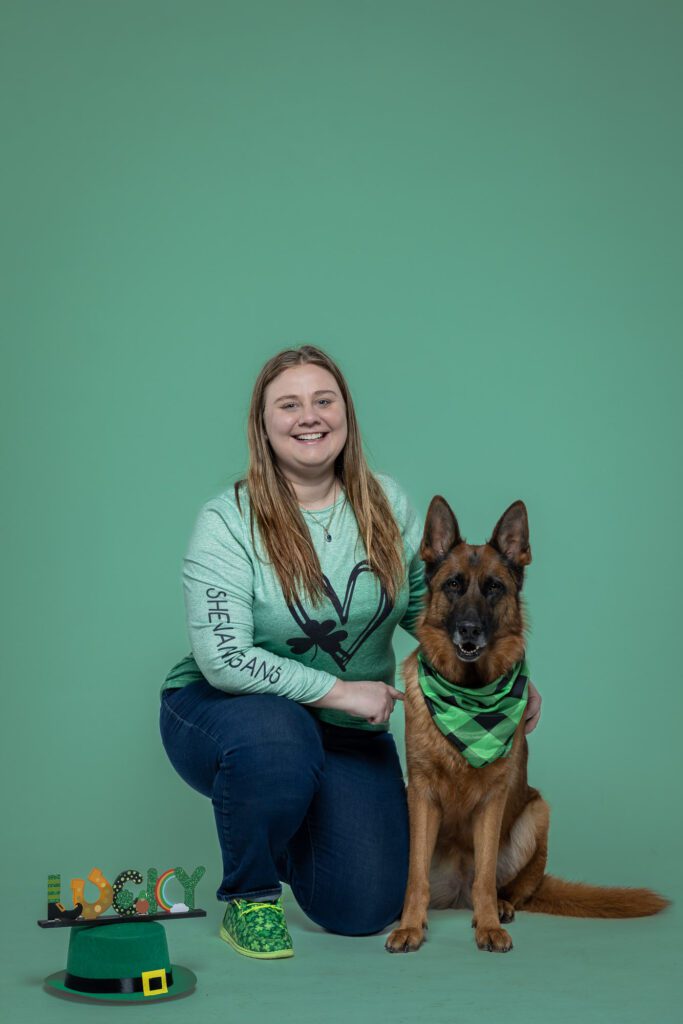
308 415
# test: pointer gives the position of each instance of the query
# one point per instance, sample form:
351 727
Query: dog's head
473 626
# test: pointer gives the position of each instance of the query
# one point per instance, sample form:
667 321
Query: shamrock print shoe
257 928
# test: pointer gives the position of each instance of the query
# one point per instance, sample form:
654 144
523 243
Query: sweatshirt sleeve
416 601
218 585
412 537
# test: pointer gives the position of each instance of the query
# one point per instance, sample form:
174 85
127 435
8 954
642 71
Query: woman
294 584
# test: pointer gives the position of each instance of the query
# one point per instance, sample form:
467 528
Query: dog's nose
469 631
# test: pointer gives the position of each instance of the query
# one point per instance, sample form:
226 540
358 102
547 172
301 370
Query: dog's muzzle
469 640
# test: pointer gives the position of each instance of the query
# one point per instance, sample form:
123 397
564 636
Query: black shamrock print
318 636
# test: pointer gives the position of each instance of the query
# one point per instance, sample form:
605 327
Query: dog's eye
493 587
455 584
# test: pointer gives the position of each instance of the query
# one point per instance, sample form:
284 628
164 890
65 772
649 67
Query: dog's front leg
486 834
425 818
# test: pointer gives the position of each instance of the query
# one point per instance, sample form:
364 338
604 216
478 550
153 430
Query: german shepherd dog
479 835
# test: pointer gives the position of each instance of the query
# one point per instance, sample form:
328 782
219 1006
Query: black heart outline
311 626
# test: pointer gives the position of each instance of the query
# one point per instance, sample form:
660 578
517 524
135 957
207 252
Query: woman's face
305 420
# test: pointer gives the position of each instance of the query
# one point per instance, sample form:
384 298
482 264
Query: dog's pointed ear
441 535
510 536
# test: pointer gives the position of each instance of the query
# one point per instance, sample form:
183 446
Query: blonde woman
294 583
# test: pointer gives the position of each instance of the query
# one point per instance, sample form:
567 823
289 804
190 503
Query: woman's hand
373 701
533 709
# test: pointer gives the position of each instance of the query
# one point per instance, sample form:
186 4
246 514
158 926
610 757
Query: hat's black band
122 986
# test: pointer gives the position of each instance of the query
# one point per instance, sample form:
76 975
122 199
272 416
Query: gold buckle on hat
148 976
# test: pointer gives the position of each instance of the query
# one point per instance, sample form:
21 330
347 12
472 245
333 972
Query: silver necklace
326 526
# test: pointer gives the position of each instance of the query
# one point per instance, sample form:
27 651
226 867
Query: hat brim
184 982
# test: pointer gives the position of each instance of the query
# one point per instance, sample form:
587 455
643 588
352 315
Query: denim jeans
296 800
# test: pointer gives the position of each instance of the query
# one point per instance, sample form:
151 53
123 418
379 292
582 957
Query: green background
476 209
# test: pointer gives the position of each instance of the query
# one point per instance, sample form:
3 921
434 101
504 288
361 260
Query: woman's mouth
311 438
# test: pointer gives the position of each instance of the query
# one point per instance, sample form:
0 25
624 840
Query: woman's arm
412 528
367 699
218 584
416 601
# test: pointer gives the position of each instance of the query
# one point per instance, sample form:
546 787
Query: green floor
559 970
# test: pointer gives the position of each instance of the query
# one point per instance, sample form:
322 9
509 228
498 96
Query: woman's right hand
373 701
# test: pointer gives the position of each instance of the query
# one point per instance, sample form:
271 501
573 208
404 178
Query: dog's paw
506 912
405 940
494 940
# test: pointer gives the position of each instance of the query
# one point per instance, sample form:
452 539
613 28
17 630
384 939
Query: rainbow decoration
159 893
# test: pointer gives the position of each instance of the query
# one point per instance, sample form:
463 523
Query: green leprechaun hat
126 962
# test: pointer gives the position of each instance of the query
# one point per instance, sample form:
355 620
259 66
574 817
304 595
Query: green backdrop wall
476 209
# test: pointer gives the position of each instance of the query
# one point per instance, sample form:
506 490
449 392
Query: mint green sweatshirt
246 639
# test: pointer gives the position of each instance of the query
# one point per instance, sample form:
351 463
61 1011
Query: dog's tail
574 899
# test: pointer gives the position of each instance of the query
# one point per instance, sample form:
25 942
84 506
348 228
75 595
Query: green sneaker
257 929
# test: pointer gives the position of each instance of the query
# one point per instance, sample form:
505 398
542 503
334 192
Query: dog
478 831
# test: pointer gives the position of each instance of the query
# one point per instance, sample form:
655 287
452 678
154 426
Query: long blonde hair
275 508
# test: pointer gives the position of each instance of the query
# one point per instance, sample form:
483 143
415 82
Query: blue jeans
296 800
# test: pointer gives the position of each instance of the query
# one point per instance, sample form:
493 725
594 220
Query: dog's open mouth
468 651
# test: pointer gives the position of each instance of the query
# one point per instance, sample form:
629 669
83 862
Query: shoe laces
257 905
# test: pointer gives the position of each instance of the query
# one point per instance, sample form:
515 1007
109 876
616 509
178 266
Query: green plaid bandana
479 723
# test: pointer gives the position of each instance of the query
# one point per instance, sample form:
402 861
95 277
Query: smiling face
474 612
305 420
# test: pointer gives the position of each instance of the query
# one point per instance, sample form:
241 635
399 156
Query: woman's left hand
533 709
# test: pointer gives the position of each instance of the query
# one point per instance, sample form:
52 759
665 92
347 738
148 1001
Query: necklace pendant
328 536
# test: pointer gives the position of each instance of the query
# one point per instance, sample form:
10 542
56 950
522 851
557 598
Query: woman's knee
357 906
260 740
368 919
